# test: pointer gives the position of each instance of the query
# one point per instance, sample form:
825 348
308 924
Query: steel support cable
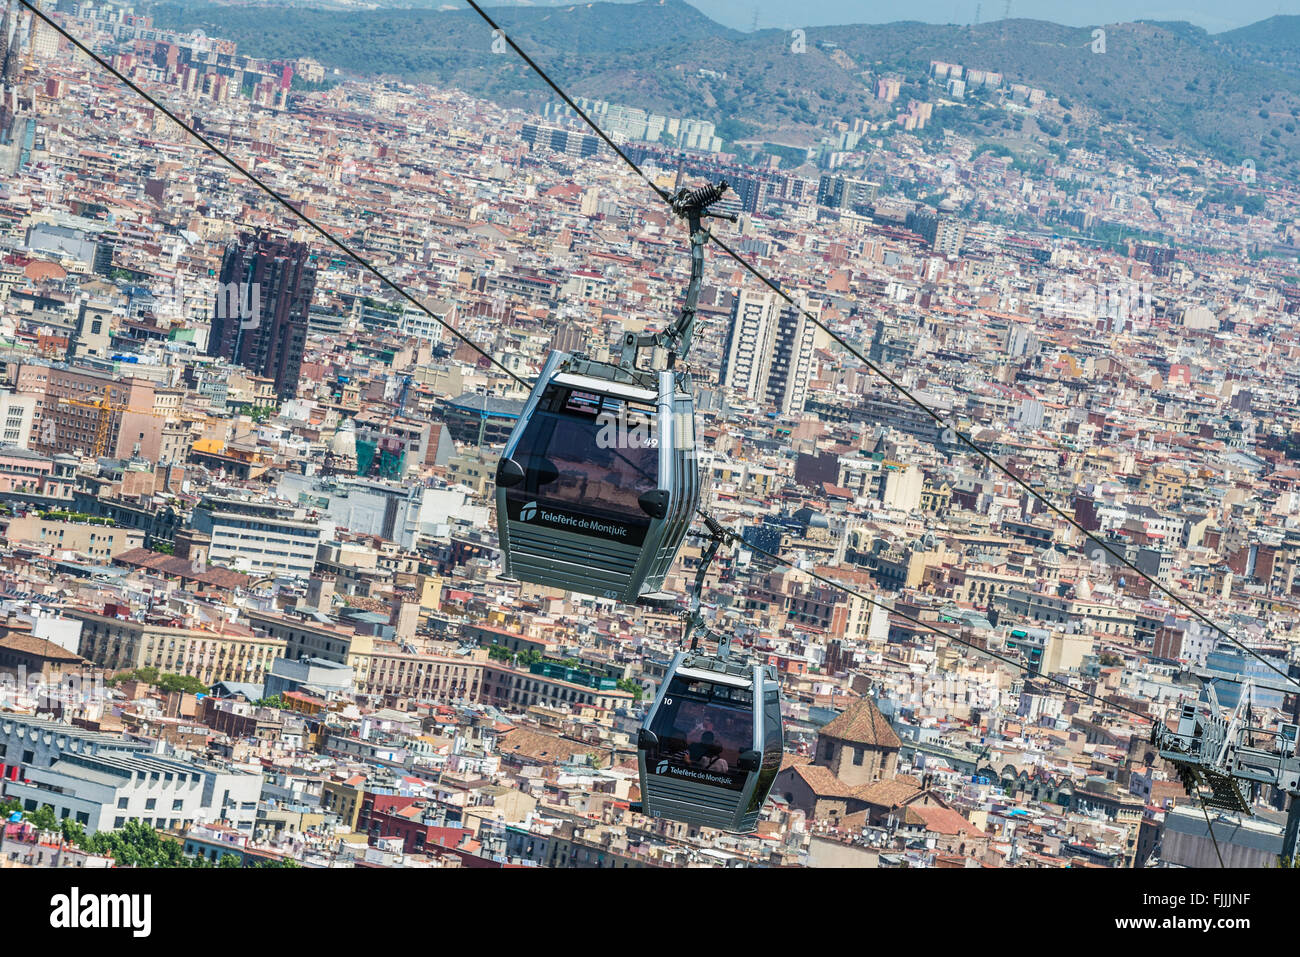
856 353
1005 470
368 266
1020 666
736 540
373 270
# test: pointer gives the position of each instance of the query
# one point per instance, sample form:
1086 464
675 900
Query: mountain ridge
1173 82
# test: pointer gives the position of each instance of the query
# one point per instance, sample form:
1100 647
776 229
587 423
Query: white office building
769 351
102 781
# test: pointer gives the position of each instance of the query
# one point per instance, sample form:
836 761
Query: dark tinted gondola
597 485
712 743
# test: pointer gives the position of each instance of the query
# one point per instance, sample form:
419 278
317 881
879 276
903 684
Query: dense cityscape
252 610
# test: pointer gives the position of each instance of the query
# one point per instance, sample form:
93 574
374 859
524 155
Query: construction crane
1220 757
104 424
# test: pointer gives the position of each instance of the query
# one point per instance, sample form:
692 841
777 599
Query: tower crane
104 424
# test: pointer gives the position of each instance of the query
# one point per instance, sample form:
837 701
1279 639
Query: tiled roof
546 748
822 781
888 794
26 644
181 568
862 723
942 820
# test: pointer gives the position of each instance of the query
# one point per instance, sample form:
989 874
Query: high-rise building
86 411
790 358
944 233
949 234
845 192
742 360
769 350
6 28
260 316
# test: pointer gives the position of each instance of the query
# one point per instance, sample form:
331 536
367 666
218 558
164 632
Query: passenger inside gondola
704 727
710 758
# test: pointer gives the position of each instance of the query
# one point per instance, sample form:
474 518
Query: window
122 802
706 727
178 804
150 804
857 756
29 757
565 464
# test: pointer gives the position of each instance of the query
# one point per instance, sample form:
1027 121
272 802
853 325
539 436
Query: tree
229 860
43 818
161 681
631 687
136 844
257 413
73 832
185 683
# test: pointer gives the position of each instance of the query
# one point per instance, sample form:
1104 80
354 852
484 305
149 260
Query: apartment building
235 653
96 541
66 417
102 792
769 350
261 538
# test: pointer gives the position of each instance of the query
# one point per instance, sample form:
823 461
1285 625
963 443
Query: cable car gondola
598 482
597 486
711 746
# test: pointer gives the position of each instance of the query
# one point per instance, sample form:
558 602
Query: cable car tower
1220 758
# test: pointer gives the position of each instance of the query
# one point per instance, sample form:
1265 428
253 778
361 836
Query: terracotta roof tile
862 723
182 568
38 647
822 781
943 820
888 794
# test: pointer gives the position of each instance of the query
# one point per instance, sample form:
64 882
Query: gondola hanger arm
675 341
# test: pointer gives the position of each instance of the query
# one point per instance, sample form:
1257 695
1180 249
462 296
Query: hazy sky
1213 15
